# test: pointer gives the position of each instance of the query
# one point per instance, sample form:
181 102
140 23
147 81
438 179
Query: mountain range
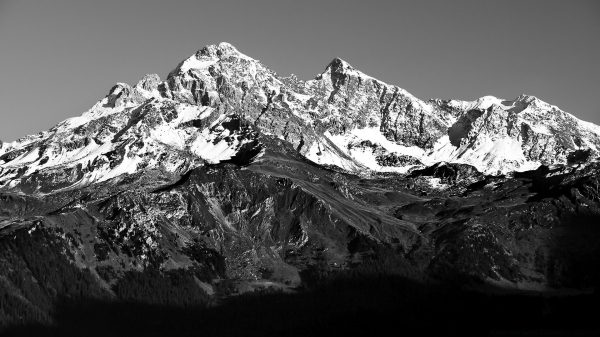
232 178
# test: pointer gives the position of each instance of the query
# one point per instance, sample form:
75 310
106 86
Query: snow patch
194 63
487 155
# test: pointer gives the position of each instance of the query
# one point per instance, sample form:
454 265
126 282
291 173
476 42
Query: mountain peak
149 82
208 56
528 99
222 50
533 101
339 66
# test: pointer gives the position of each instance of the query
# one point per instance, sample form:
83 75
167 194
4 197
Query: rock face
227 171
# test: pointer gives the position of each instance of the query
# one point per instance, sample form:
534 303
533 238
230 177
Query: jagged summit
339 65
208 56
527 98
222 50
149 82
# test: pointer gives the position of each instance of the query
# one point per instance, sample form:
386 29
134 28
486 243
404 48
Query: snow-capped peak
486 101
222 50
148 83
339 65
208 56
526 98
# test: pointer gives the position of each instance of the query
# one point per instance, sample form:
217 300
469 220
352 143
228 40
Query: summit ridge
342 118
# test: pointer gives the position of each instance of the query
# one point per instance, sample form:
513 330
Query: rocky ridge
343 117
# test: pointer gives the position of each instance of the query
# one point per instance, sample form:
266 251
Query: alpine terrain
226 180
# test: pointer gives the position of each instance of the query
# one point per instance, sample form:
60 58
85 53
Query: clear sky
58 57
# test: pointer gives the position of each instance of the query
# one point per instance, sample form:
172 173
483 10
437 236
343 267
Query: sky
59 57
